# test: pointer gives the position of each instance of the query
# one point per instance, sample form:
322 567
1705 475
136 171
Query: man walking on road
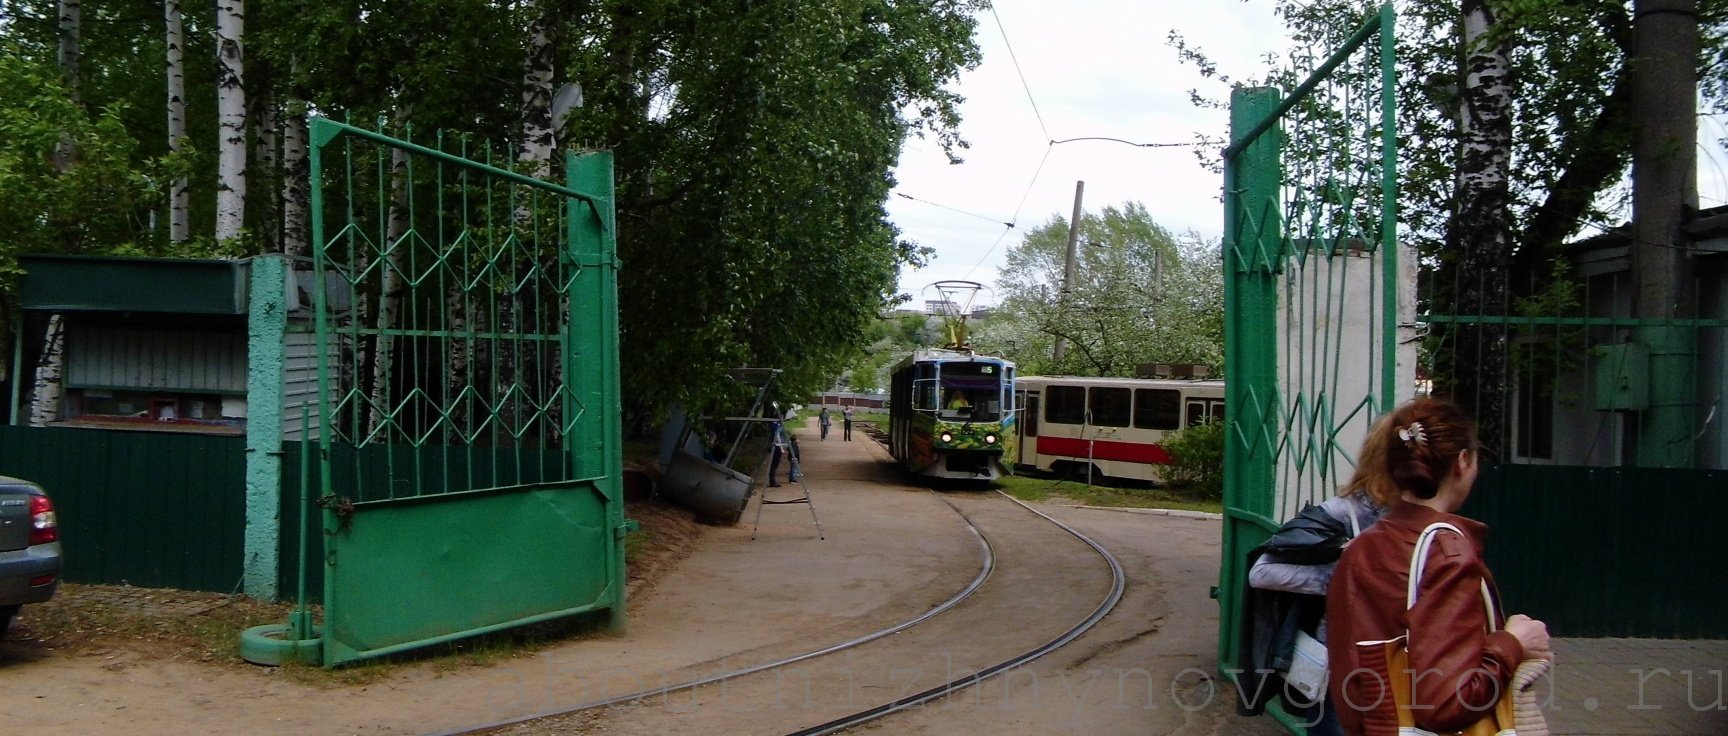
846 420
825 421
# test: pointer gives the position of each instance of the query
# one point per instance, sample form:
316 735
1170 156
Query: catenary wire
1016 60
1012 222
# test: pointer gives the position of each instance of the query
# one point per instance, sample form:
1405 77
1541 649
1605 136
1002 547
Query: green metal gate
467 443
1315 294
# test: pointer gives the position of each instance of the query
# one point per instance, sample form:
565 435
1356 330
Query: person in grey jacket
1294 571
1356 511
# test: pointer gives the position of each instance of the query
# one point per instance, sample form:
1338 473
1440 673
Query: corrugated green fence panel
1599 552
150 509
287 575
477 562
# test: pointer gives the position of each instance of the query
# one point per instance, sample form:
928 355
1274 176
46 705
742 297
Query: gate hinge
341 504
629 525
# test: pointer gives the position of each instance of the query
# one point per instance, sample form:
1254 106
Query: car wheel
6 614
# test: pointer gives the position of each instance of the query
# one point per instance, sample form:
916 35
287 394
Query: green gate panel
467 459
1598 552
409 572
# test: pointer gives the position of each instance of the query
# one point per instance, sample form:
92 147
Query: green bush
1197 459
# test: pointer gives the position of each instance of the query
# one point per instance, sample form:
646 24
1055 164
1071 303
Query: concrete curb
1154 512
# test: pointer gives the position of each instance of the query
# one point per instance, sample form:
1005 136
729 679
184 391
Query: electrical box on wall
1623 377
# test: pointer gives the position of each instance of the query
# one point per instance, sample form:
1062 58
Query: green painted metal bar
325 129
1239 142
1390 280
599 386
17 368
1490 319
1251 189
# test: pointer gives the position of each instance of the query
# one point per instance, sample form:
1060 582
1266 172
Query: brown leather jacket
1467 667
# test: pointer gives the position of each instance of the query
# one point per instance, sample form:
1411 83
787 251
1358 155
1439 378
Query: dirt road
893 551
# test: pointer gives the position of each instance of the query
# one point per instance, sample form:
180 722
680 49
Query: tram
1113 427
951 414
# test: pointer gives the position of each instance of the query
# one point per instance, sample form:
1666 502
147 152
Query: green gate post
266 323
1253 228
592 365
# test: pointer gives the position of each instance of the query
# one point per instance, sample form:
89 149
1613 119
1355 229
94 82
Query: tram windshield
971 392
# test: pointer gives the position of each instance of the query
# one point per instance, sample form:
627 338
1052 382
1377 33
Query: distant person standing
777 435
825 421
846 422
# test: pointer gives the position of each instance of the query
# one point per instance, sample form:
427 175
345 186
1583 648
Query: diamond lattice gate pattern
1316 291
466 414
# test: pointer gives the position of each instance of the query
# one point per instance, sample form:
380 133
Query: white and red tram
1115 425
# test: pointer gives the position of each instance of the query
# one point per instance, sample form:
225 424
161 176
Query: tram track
951 685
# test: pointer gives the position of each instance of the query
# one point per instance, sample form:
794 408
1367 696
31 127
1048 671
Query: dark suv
29 547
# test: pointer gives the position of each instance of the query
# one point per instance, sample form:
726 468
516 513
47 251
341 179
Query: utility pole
1061 350
1664 184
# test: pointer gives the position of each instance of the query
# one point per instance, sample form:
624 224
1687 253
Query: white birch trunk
1482 231
231 119
266 141
71 53
537 73
390 288
535 156
296 182
179 200
45 395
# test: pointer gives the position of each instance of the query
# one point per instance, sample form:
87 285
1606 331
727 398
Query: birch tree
1482 232
231 116
174 46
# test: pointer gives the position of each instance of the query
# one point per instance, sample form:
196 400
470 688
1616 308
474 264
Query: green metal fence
467 466
1608 551
151 509
1313 306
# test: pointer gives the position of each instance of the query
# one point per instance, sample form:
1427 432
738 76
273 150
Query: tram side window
1065 405
1109 406
1216 411
1157 408
1196 413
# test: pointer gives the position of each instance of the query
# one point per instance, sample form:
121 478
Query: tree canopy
754 140
1140 295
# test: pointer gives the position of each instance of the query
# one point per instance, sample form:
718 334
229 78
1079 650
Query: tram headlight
947 437
989 439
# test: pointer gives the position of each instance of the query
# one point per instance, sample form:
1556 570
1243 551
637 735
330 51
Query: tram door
1026 428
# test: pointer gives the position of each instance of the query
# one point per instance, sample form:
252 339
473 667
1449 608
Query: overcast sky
1098 68
1095 68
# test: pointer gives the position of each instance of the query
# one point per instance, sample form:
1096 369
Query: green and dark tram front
952 414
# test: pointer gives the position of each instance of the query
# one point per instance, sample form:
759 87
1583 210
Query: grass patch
1029 488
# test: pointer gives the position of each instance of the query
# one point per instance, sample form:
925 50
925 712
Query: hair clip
1413 434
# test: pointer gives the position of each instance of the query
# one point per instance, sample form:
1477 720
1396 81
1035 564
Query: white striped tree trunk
179 201
231 119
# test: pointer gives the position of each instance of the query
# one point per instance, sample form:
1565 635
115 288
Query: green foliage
754 142
99 201
1571 123
1197 459
1140 295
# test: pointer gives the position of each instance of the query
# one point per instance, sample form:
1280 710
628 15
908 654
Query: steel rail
988 559
911 701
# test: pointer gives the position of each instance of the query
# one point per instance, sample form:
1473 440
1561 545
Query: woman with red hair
1419 462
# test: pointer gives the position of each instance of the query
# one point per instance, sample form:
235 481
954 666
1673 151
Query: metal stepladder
790 448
